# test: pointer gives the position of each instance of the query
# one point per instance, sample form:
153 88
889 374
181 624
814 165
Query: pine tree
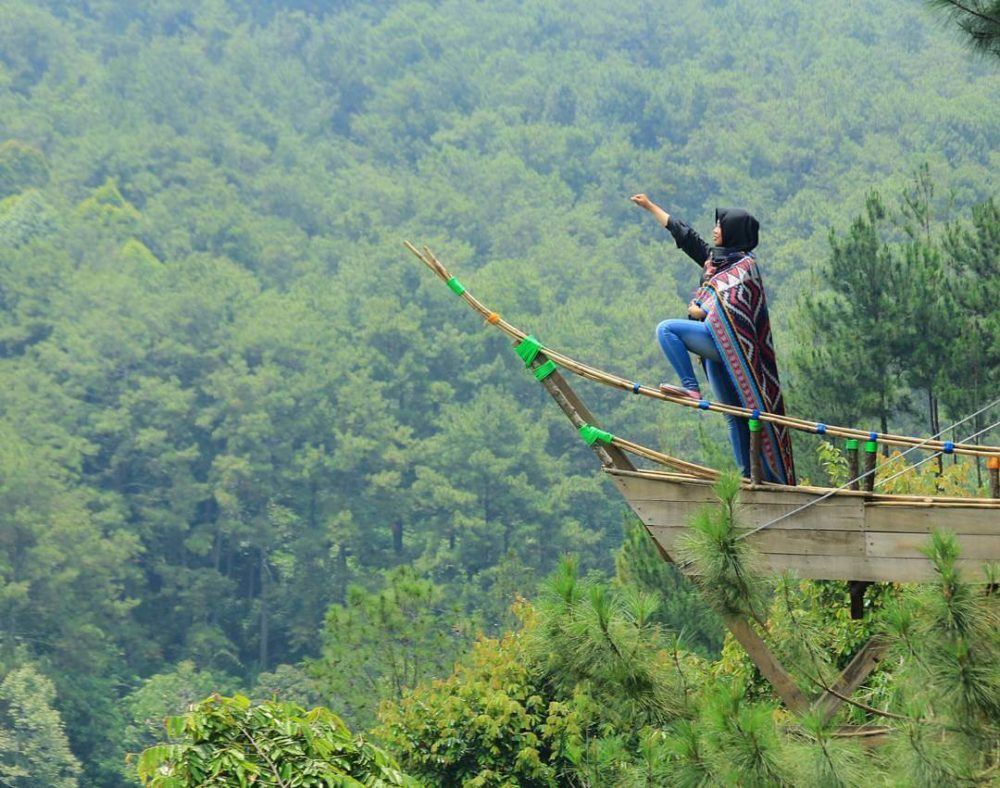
979 20
973 371
930 327
851 370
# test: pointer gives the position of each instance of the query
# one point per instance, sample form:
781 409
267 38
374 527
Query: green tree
978 19
161 696
490 723
230 741
974 284
21 167
928 352
382 643
851 371
680 608
34 751
570 697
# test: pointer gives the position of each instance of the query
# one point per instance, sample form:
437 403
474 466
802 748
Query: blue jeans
679 338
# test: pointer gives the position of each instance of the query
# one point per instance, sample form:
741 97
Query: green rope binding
545 370
456 286
851 444
592 434
754 425
871 447
528 348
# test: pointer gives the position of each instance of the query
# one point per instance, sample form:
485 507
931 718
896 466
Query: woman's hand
695 312
658 213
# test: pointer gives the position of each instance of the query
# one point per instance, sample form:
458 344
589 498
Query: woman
728 328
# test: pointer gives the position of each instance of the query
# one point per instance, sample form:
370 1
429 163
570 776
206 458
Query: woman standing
728 327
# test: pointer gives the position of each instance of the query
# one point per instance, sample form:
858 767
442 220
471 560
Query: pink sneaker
677 391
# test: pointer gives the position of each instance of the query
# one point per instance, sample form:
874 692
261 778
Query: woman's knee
667 327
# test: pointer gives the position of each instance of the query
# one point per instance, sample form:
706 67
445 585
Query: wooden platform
849 536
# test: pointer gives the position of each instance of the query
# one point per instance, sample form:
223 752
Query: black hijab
739 229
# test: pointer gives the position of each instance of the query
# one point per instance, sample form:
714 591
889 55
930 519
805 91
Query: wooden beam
767 664
578 413
922 520
975 547
782 542
852 677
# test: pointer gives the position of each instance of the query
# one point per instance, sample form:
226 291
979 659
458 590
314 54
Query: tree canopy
230 403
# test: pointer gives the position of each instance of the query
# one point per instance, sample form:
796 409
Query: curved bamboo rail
600 376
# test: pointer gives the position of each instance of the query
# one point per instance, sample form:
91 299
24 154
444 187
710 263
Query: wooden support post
851 447
871 453
852 677
756 471
767 664
856 588
993 466
578 413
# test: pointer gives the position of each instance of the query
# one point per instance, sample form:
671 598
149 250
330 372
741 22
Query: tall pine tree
850 370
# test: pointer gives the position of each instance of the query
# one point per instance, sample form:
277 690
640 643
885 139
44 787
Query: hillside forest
251 449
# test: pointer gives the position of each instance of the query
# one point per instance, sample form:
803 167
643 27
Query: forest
254 460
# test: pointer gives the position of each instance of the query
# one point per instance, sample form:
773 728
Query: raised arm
688 241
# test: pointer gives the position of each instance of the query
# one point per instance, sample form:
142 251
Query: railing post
851 447
756 471
871 453
993 466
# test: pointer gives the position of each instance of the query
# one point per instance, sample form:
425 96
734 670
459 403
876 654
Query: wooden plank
769 542
879 517
700 491
829 540
767 664
816 518
900 545
883 570
852 677
827 567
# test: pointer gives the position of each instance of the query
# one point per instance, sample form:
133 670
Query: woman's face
717 234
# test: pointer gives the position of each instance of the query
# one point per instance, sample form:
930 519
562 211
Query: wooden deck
849 536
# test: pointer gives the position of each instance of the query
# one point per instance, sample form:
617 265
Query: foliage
950 682
385 642
679 606
229 396
606 642
979 21
22 167
577 691
857 323
230 741
724 561
165 695
34 752
490 723
894 275
642 712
